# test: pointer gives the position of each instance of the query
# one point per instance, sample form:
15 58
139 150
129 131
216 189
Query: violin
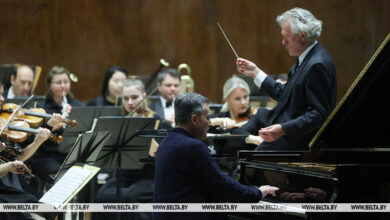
34 116
10 152
241 120
18 130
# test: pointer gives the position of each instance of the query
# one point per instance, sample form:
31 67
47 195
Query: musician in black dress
112 87
136 185
15 193
59 100
236 111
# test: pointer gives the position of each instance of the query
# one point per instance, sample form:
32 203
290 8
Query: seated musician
21 82
136 185
59 100
308 97
11 193
236 110
168 82
185 172
112 87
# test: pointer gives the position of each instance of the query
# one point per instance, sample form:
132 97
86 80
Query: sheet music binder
85 150
124 147
84 117
69 185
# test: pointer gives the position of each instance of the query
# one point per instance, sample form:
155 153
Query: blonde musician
136 185
236 110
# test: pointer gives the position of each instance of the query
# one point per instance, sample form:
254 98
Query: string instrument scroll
34 116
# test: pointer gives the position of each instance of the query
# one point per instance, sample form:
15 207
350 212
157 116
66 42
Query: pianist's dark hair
188 104
172 72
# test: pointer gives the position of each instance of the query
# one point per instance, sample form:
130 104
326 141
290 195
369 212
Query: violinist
13 193
112 87
59 100
133 93
21 82
236 110
137 186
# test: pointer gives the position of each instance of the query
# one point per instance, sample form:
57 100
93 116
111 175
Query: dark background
87 36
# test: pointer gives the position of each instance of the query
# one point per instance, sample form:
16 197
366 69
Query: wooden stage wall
87 36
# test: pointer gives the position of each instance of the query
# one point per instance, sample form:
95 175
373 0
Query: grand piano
349 157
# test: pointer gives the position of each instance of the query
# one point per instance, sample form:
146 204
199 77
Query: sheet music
70 183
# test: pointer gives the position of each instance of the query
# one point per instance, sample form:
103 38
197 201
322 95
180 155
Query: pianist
308 97
185 171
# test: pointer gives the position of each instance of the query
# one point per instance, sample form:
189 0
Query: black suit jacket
304 102
157 107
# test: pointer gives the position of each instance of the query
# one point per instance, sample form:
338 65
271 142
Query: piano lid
361 119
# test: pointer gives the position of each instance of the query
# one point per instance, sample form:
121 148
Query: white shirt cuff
260 77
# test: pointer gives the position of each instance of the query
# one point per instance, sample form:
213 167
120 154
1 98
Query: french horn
187 83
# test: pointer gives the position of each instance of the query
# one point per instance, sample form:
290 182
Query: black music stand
84 117
85 150
21 99
124 148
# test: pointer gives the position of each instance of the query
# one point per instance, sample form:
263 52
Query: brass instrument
187 83
73 77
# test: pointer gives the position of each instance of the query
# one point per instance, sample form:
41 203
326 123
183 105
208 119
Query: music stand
21 99
124 147
84 117
85 150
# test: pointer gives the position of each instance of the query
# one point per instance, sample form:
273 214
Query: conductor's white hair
302 20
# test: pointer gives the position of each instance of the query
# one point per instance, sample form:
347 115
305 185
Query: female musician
133 93
236 108
136 185
112 87
59 100
10 192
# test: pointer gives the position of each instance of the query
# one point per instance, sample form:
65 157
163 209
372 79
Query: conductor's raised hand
267 189
247 67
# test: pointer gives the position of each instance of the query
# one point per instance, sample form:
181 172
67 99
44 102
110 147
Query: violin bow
14 112
163 64
139 103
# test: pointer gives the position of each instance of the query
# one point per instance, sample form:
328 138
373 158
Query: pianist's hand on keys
267 189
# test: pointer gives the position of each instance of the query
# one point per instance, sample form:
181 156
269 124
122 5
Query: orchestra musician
236 110
112 87
308 97
12 193
136 185
185 172
168 82
59 100
21 82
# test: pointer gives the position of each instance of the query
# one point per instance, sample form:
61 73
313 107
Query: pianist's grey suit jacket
304 102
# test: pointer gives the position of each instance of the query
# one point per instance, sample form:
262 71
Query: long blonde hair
230 85
133 81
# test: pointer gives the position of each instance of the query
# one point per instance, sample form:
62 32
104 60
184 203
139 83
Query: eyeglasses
59 83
